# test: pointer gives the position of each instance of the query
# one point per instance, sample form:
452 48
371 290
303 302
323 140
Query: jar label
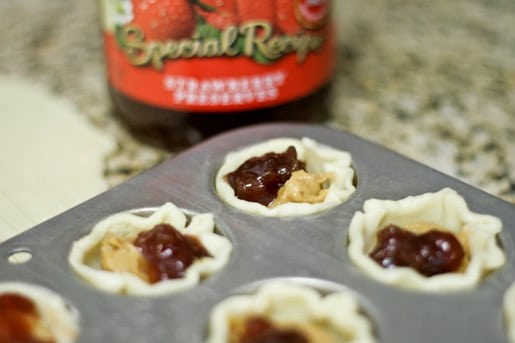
217 55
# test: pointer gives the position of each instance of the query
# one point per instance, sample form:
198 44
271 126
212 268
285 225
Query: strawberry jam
17 317
259 178
261 330
431 253
169 252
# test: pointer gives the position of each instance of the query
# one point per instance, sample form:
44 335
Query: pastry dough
509 313
52 158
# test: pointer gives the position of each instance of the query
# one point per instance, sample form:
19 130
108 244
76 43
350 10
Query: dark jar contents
431 253
176 130
168 252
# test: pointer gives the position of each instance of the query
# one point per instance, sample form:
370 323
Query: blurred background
432 80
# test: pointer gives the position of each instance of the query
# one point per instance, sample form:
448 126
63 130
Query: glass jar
182 70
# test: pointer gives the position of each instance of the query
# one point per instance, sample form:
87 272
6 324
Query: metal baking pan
309 249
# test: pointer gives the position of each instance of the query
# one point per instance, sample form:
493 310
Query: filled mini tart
32 313
285 312
429 242
285 177
165 252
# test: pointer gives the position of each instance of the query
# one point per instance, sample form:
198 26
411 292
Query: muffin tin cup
311 249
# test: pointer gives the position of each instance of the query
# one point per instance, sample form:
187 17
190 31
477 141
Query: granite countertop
433 80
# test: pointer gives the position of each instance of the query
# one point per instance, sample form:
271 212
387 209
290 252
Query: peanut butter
120 255
303 187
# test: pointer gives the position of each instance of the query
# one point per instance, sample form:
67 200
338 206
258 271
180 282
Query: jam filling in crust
20 321
259 179
277 178
259 329
430 253
158 254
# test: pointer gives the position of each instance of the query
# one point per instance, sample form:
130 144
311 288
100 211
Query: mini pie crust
445 208
61 319
509 313
318 158
84 257
291 304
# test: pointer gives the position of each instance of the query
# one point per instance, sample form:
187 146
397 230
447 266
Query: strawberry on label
285 18
219 13
163 20
256 10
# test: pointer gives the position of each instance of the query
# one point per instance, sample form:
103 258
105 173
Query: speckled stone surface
433 80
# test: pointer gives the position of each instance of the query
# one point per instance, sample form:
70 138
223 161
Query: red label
218 55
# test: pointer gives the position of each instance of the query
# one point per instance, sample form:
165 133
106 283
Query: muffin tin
310 250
